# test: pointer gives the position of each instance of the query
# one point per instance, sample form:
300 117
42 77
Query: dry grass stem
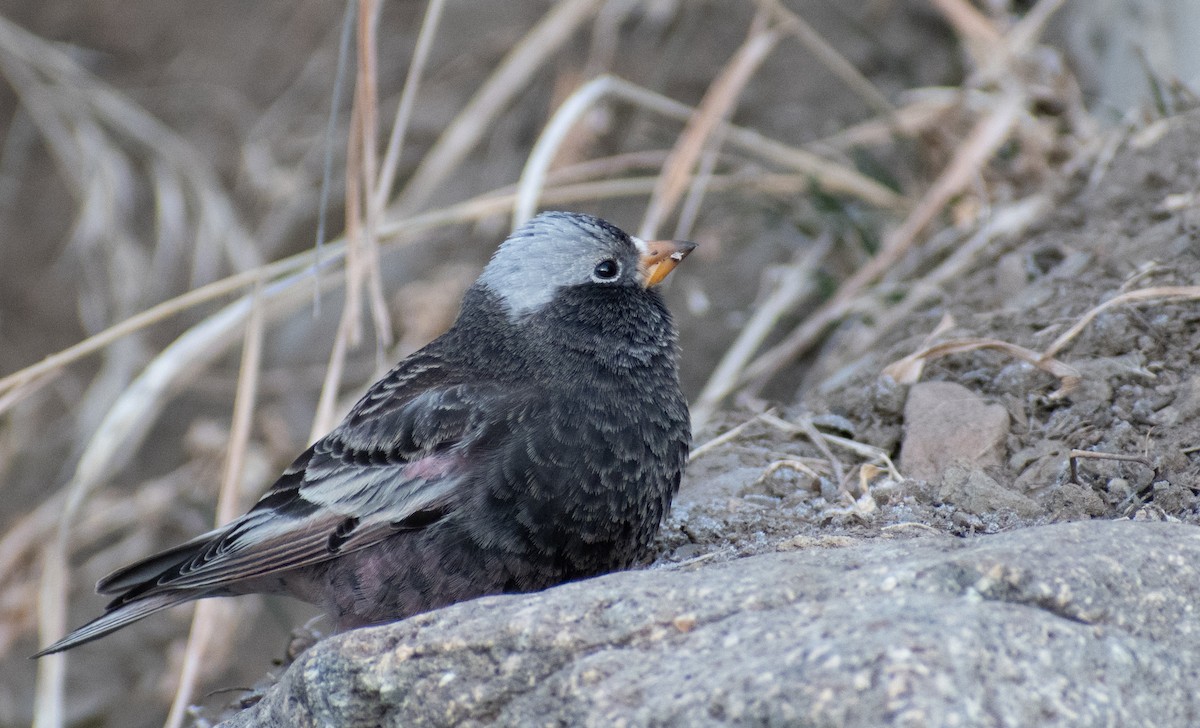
979 35
537 164
913 526
601 168
911 373
987 135
923 110
18 391
362 259
792 24
412 83
723 438
715 107
868 451
1007 221
907 370
794 285
1167 293
512 75
689 211
797 464
326 411
367 86
205 619
816 437
55 362
829 175
52 618
116 439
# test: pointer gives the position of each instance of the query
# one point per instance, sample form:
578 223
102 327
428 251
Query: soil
1138 398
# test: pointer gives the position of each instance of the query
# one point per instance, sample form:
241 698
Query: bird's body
541 439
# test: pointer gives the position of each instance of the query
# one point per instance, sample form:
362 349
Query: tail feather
118 618
139 573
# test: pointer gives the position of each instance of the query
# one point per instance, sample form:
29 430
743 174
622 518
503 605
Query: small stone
947 423
976 492
685 622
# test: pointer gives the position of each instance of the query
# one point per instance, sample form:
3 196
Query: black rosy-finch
539 440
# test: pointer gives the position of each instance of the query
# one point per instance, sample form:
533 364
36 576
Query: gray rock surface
1080 624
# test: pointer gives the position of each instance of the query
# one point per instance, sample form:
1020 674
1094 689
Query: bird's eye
606 270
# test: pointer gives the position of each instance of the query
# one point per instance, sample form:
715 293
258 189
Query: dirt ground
1116 211
1133 225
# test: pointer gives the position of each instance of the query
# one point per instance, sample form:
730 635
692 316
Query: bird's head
557 250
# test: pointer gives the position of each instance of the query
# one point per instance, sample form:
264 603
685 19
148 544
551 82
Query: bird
539 440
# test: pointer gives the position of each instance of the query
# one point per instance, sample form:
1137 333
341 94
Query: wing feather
386 468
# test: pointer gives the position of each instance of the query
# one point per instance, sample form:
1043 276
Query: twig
1074 456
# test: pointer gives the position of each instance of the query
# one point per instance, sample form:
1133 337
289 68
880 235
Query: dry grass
121 164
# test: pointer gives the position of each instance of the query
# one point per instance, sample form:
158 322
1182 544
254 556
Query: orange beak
661 257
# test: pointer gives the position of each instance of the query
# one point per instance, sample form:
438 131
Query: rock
1040 466
947 423
974 491
1073 501
1185 408
1065 625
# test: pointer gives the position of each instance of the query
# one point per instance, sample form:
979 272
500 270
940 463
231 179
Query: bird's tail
117 618
135 586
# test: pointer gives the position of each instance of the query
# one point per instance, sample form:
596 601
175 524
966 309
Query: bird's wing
395 463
